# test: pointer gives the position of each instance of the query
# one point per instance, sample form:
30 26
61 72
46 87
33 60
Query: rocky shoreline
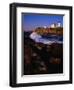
42 59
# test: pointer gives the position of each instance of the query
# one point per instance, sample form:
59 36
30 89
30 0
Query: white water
39 39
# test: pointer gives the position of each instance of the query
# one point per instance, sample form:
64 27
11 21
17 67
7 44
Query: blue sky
31 21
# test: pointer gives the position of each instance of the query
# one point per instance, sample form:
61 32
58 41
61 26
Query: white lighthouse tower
59 25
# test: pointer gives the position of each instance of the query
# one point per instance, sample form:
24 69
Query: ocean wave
46 39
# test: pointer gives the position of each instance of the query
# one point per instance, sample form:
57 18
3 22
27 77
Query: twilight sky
30 21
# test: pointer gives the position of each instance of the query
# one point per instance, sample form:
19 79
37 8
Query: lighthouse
54 25
59 25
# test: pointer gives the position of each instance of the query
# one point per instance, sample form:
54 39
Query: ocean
45 39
